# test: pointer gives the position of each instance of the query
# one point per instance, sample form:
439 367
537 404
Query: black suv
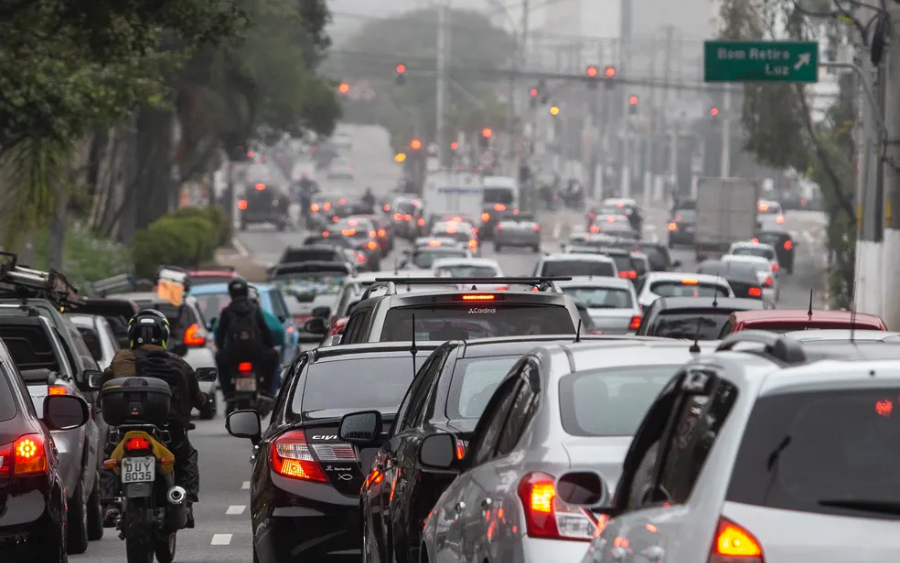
784 245
461 314
263 203
740 276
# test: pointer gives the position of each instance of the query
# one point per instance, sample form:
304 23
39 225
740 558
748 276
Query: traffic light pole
442 54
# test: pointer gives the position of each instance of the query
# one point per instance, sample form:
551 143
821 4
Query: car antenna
578 332
412 347
852 321
809 310
715 302
396 266
695 347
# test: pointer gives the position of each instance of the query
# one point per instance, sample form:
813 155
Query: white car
340 167
750 248
678 284
342 140
611 302
768 280
469 268
576 265
769 214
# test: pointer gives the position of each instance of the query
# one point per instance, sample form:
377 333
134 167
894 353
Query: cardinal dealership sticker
482 311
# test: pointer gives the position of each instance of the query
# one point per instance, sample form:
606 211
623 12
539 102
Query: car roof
471 261
574 256
628 351
800 315
733 303
451 292
751 244
852 371
372 349
745 258
843 335
678 276
596 281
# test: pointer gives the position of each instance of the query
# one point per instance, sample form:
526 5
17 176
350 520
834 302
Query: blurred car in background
521 230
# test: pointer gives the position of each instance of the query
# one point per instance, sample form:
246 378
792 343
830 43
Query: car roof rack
106 286
25 282
782 348
542 283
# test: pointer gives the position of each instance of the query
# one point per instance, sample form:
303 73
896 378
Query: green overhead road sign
761 61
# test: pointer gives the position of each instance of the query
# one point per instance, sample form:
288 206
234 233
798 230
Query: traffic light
554 110
401 74
454 146
610 73
343 88
400 157
592 73
714 112
415 144
632 104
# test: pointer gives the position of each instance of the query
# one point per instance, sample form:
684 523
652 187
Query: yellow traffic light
554 110
400 157
344 88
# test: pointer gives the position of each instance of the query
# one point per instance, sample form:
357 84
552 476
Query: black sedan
32 495
305 481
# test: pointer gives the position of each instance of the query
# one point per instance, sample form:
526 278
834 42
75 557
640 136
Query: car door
453 504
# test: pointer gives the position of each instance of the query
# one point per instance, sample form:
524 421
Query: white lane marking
245 485
235 509
241 249
221 539
557 228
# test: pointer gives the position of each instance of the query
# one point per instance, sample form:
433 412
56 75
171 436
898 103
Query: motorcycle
153 507
247 394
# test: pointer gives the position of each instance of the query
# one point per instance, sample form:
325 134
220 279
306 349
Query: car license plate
138 469
245 384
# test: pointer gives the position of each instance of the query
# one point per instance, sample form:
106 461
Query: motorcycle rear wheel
138 531
164 547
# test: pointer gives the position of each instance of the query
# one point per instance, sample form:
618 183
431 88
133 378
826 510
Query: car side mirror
93 379
65 412
585 488
180 349
322 312
244 424
315 325
360 428
207 375
438 451
676 264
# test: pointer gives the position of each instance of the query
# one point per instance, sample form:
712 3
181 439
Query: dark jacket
122 365
239 307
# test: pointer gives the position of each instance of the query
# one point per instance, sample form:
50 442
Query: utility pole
649 175
891 256
625 28
442 55
726 136
667 78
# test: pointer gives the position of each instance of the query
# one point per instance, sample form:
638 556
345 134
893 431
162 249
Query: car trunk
339 459
611 321
605 454
742 289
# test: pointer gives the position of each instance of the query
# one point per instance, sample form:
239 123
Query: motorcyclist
260 352
149 331
368 200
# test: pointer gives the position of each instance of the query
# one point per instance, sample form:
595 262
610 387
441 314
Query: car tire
77 540
95 512
53 550
208 412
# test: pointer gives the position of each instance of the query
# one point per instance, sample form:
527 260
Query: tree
476 50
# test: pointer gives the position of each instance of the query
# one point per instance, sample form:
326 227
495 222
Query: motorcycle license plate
245 384
138 469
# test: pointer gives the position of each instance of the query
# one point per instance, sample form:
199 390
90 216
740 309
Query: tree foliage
477 49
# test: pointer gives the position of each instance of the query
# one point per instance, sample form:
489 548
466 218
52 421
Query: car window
610 402
473 383
691 438
493 421
463 321
518 418
466 271
212 304
760 251
420 389
578 268
704 324
686 215
92 340
678 288
87 357
824 452
8 408
424 258
70 358
601 297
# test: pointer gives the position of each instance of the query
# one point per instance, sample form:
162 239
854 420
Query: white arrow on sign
802 61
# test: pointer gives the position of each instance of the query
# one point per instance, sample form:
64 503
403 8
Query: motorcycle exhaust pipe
176 495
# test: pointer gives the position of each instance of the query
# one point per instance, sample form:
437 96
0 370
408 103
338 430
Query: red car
789 320
213 274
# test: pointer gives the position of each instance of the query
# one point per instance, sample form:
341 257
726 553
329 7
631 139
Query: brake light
326 206
382 233
500 227
398 217
335 219
407 217
56 390
754 292
628 274
473 244
673 226
360 258
260 187
763 206
478 297
591 215
290 457
688 281
768 282
515 211
546 516
242 204
461 449
788 245
499 207
754 240
372 245
734 543
434 243
775 267
678 218
485 217
780 220
610 219
537 228
137 444
245 367
348 232
325 234
192 336
386 208
342 201
594 229
314 207
420 222
635 322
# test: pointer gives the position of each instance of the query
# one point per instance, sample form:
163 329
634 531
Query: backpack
244 339
162 365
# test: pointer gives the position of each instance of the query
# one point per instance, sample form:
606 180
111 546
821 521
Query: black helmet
148 327
238 288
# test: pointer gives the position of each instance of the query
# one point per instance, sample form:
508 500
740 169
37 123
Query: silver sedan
518 230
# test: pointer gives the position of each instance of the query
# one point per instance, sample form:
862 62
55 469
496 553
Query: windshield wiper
866 505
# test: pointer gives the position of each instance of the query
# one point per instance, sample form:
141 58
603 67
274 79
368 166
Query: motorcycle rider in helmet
148 331
368 200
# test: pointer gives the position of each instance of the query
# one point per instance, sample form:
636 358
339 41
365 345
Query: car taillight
594 229
461 446
314 207
788 245
780 220
754 292
537 228
335 219
635 322
485 217
372 245
245 367
242 204
499 207
382 233
768 282
407 217
733 543
673 226
137 444
25 456
473 244
291 457
420 222
360 258
499 227
591 215
386 208
192 336
628 274
546 516
398 217
775 267
57 390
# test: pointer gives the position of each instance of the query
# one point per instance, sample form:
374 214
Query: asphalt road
222 534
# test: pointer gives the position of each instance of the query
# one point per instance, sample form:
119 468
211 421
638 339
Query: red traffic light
415 144
533 92
592 71
401 69
344 88
487 133
633 100
454 145
714 112
610 71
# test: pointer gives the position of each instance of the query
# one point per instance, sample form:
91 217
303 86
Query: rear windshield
211 304
474 382
464 271
30 347
826 452
405 208
775 240
578 268
610 402
601 297
624 263
179 317
7 404
762 251
367 382
425 258
499 195
310 255
308 285
465 321
203 280
688 215
679 289
656 255
703 324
